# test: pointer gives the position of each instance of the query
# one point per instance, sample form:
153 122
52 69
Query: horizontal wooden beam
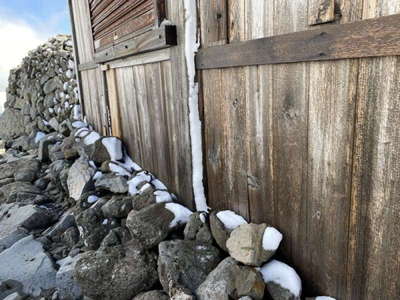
87 66
155 39
369 38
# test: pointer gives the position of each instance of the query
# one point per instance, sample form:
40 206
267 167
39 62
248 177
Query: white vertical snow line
191 47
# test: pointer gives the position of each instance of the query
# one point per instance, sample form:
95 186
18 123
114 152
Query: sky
24 25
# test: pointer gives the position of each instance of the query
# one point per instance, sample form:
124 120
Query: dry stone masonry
80 220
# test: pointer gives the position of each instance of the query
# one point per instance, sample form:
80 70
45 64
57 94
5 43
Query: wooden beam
87 66
153 40
113 102
369 38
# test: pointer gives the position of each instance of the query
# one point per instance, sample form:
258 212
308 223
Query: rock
54 123
197 229
11 289
79 179
91 229
66 221
97 152
181 294
229 280
152 295
117 207
245 244
144 199
150 225
13 216
43 151
67 287
10 239
8 170
42 218
219 232
26 262
28 172
245 298
11 124
6 181
21 192
283 283
116 273
50 86
112 183
185 263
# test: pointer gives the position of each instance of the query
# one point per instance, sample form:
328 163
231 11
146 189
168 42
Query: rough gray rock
117 207
66 285
112 183
150 225
21 192
28 172
13 216
277 292
197 229
185 263
10 289
97 152
152 295
27 263
10 239
219 232
144 199
116 273
91 229
11 124
229 280
80 178
245 244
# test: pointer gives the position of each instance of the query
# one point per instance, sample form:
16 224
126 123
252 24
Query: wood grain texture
368 38
321 11
114 103
373 259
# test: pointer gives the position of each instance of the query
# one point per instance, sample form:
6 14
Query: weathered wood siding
145 96
311 148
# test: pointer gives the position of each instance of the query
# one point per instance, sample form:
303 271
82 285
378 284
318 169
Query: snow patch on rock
181 213
271 239
230 219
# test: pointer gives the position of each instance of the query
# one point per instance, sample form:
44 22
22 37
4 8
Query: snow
114 147
78 124
39 136
324 298
181 213
69 74
158 185
92 199
97 175
118 169
230 219
82 132
105 222
91 138
162 196
92 164
135 181
191 47
203 217
144 188
283 275
271 239
77 112
130 165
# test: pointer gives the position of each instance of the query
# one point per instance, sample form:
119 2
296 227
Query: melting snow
92 199
230 219
118 169
162 196
181 213
283 275
158 185
114 147
78 124
77 112
135 181
97 175
324 298
91 138
130 165
39 135
271 239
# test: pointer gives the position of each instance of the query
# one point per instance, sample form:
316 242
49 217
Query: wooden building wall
311 147
145 98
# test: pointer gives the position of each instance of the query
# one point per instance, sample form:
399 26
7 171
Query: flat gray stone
79 179
12 216
9 240
27 263
67 287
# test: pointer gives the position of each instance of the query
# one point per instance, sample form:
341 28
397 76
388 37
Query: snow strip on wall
191 46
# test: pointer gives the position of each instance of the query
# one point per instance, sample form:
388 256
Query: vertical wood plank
113 101
373 259
321 11
213 22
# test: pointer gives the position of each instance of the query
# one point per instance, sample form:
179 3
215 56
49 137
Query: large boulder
80 178
120 272
117 207
27 263
253 244
112 183
151 225
91 227
230 280
185 263
10 239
